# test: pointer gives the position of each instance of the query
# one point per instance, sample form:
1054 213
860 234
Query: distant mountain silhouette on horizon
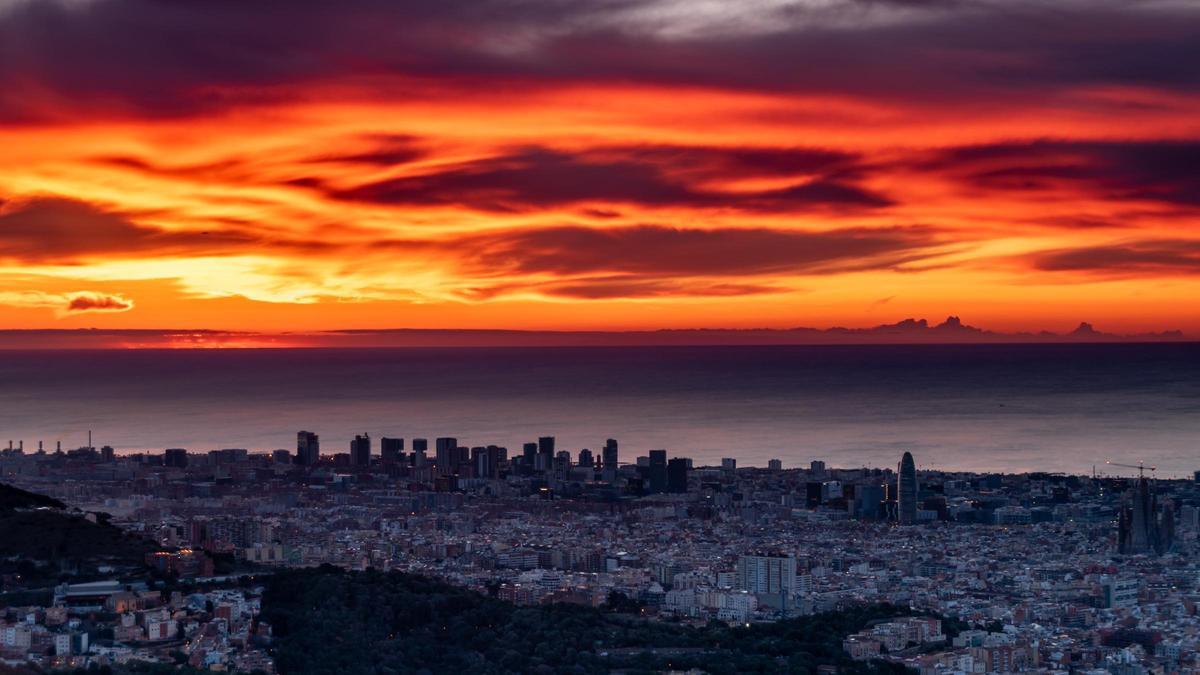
908 331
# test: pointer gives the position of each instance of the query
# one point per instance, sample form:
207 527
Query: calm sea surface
984 407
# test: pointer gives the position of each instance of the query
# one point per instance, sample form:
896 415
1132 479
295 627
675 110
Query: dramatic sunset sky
603 164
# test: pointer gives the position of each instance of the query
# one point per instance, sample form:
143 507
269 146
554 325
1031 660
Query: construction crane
1140 466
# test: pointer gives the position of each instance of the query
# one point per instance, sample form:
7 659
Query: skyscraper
609 455
360 450
308 448
545 460
446 456
609 459
390 449
677 475
657 471
907 490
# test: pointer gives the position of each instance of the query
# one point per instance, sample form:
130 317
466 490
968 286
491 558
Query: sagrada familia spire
1141 529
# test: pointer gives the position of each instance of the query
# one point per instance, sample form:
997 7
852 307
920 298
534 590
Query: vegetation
40 538
16 498
328 620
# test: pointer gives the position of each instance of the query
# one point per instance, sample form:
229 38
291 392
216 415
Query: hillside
36 531
16 498
357 623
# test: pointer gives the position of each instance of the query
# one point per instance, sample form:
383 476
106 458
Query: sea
1039 407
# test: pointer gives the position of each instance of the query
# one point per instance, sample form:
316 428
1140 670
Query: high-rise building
767 573
729 463
609 460
869 498
816 467
420 446
545 454
391 450
608 455
656 472
360 450
775 465
175 457
677 475
486 460
106 453
308 448
585 458
907 490
446 455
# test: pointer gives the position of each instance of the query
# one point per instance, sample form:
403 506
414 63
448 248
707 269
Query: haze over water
975 407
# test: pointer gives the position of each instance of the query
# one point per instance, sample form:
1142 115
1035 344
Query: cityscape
1036 572
600 337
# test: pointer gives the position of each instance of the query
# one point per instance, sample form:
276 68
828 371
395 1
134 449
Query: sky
600 165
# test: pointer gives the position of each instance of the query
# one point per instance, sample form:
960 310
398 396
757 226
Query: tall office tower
585 458
907 490
545 453
657 471
677 475
175 457
609 457
774 465
767 572
419 447
446 455
869 499
480 462
391 450
486 461
1140 530
728 464
528 458
817 467
561 464
500 454
360 450
106 453
609 461
308 448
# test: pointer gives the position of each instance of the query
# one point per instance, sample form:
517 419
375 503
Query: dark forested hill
37 529
330 621
16 498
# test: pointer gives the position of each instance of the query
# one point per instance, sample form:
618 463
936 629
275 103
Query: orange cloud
625 165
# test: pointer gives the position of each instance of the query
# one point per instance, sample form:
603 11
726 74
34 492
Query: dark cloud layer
65 231
531 178
1157 257
654 251
154 57
1154 171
